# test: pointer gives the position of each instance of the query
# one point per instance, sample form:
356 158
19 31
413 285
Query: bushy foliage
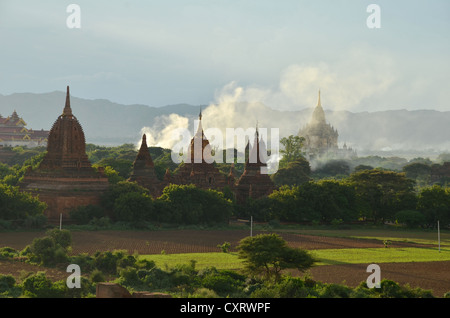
266 255
434 203
187 204
18 205
52 248
85 214
410 218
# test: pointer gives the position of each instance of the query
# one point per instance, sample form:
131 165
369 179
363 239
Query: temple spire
318 101
67 110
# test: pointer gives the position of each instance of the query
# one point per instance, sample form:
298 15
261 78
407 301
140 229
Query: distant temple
321 139
65 178
13 132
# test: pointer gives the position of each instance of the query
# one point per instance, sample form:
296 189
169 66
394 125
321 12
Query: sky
279 53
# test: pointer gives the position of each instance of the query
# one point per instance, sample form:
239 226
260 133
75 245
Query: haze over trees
336 191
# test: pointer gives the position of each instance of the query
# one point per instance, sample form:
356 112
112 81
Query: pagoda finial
200 115
67 110
318 101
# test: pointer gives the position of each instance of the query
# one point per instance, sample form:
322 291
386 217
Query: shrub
293 287
223 282
39 286
204 293
8 287
335 291
85 214
7 252
224 247
61 238
97 276
35 221
6 282
411 218
51 249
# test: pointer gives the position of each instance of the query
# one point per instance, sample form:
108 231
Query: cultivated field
433 275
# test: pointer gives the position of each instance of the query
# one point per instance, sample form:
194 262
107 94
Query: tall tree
292 149
267 255
384 192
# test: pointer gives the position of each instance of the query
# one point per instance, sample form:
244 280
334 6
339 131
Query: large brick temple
65 178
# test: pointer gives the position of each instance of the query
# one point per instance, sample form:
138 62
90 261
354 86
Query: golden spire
318 101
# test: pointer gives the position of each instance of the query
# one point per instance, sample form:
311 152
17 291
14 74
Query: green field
392 234
324 257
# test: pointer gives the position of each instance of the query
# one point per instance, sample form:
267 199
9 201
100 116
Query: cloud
362 74
161 134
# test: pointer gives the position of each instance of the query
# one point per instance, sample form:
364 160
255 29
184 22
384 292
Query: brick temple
199 170
65 178
254 182
144 170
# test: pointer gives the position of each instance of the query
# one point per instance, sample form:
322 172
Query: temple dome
66 146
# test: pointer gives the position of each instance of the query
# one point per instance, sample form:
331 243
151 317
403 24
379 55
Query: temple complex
254 182
65 178
144 170
13 132
321 139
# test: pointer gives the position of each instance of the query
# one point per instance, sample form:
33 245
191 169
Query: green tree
417 170
434 203
187 204
294 173
383 192
292 149
120 188
18 205
267 255
133 207
410 218
332 169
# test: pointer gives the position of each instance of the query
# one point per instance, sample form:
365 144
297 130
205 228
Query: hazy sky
278 52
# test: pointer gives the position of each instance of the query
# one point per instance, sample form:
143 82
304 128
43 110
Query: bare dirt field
433 276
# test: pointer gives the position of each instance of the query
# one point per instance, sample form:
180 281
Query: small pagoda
65 178
144 170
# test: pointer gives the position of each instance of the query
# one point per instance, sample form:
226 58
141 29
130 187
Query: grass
203 260
380 255
324 257
394 234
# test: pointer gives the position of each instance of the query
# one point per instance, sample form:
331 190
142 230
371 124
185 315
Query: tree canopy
267 255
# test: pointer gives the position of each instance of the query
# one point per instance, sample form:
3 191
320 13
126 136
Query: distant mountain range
393 132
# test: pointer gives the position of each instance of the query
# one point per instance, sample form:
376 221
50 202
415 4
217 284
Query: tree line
366 194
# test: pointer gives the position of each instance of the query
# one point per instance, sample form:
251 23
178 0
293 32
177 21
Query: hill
108 123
